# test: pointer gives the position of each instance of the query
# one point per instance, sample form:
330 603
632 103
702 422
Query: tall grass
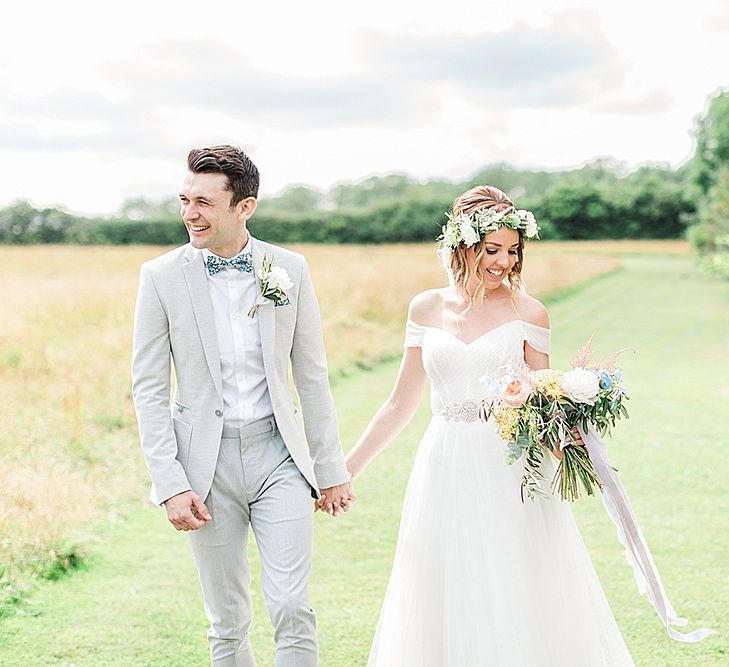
67 429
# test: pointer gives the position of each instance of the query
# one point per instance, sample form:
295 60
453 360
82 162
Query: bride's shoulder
532 310
425 307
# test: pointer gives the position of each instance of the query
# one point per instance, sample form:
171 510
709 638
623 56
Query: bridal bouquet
538 410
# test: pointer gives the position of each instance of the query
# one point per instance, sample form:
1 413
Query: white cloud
638 102
101 102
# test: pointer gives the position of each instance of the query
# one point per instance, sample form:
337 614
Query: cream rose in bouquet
538 411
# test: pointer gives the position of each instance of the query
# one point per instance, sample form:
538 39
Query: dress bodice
455 367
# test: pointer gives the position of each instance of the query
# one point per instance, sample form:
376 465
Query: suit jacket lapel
197 284
265 313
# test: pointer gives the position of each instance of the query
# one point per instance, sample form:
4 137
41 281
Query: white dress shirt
245 390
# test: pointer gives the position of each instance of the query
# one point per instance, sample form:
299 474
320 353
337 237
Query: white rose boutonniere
273 281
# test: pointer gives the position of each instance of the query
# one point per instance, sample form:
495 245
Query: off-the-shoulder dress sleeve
414 333
537 337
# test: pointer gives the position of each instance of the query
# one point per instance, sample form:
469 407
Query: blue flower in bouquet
618 386
606 382
494 384
492 387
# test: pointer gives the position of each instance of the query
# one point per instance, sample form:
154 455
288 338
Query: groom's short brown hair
238 168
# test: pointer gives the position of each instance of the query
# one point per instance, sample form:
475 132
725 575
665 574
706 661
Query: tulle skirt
480 579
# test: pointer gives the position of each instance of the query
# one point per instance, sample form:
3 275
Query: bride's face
498 257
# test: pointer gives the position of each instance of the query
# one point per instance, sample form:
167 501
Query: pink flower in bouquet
516 393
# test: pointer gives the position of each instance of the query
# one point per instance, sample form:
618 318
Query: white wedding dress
480 579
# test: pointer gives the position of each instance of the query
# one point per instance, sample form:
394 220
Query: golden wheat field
67 429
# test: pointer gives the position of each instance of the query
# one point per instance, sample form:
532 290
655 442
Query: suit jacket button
218 413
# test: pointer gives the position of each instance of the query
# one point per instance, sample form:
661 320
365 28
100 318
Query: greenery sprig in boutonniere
273 281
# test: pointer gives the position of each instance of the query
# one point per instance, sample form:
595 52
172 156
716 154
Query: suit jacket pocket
285 318
180 407
183 435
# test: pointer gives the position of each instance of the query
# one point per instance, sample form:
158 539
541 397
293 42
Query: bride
480 578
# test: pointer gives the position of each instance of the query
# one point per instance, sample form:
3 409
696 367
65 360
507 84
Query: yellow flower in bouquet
507 419
548 381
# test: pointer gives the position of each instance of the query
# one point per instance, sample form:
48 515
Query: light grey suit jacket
174 325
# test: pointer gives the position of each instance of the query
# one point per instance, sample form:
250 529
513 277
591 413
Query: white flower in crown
531 229
469 235
273 281
450 236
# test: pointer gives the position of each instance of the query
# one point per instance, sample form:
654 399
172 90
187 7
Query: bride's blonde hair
476 199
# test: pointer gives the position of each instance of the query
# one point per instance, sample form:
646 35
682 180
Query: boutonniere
273 281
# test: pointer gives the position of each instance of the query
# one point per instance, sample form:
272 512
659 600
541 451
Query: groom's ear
246 207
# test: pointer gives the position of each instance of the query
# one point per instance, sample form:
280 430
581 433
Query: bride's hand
336 499
576 440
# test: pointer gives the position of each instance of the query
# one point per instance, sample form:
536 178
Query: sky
101 103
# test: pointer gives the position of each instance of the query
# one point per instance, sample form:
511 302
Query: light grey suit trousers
257 483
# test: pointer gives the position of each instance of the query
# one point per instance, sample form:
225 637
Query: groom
230 450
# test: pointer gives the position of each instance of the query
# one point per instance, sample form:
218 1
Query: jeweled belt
468 411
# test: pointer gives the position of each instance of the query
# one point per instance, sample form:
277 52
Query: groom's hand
336 499
186 511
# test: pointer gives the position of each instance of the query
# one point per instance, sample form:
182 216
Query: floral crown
468 229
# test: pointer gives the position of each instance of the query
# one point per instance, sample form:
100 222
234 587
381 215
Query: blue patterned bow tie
241 262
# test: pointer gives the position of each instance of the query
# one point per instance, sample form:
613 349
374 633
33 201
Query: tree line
594 202
600 200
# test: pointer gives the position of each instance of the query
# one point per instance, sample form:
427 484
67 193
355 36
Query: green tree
712 141
577 209
370 191
711 235
22 223
653 203
710 170
297 199
140 208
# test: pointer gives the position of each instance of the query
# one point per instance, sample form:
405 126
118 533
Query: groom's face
210 221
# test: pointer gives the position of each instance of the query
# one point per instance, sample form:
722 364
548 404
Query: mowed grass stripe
676 320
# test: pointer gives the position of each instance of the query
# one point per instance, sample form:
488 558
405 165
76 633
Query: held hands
186 511
336 499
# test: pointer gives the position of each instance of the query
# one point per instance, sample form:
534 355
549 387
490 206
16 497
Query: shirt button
218 413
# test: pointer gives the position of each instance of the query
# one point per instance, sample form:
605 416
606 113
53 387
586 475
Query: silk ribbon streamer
631 537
